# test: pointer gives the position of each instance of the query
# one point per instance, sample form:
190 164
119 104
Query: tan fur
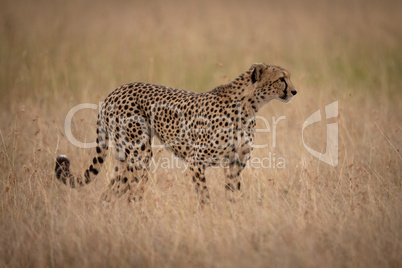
204 129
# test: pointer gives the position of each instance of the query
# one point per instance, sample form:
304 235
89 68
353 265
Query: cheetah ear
258 69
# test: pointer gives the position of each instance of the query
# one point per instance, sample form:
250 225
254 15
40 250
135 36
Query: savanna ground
295 211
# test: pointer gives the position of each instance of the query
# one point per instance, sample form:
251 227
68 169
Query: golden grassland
304 213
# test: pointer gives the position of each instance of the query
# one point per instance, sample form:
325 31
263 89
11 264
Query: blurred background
56 54
70 47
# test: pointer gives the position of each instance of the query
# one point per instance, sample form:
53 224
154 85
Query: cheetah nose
294 92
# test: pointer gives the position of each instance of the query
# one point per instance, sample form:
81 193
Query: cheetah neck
235 90
241 90
237 93
258 102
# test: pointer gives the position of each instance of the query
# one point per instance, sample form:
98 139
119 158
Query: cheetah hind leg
138 180
139 171
118 185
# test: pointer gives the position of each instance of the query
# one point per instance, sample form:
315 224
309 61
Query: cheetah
203 129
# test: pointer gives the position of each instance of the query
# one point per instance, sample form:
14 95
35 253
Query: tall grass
54 55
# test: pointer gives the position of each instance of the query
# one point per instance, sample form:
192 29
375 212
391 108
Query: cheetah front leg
197 169
233 184
236 165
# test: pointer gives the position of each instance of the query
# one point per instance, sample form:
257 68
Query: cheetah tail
63 173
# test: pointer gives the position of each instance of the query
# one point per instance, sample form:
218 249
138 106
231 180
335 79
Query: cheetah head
271 82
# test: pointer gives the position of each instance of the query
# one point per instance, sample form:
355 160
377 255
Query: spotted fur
204 129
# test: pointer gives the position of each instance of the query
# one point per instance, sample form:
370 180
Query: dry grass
56 54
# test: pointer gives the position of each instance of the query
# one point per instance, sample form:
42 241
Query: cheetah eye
283 79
